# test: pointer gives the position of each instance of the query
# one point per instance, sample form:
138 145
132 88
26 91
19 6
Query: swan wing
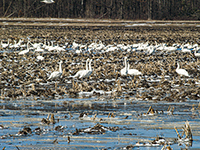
123 71
78 74
182 72
54 75
84 74
88 73
23 52
134 72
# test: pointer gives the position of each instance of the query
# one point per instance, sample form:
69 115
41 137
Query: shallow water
15 115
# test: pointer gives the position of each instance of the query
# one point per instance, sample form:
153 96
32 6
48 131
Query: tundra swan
39 49
82 73
124 71
133 72
185 50
25 51
75 45
195 52
181 71
16 45
56 74
40 58
90 69
5 45
47 1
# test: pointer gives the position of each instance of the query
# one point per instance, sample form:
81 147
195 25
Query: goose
56 74
181 71
82 73
124 71
25 51
5 45
47 1
133 72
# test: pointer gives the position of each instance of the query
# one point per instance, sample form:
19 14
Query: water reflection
77 122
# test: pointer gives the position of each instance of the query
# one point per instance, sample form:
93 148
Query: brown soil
18 73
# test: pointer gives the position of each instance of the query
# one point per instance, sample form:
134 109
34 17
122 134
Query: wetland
106 110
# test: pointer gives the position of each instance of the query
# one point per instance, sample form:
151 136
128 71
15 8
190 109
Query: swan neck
28 45
125 63
128 66
90 67
60 67
87 64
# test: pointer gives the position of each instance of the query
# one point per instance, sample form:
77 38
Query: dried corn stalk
187 133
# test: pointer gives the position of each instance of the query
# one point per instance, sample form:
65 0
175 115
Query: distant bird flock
146 48
47 1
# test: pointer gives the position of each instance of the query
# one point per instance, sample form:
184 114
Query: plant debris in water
97 129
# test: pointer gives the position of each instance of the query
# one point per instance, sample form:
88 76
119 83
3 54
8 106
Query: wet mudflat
105 110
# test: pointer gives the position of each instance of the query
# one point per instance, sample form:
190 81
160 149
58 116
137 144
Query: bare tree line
103 9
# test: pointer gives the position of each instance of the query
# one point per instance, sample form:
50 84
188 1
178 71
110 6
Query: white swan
181 71
195 52
39 49
75 45
5 45
124 71
25 51
133 72
185 50
16 45
40 58
90 70
50 47
47 1
82 73
13 45
58 48
56 74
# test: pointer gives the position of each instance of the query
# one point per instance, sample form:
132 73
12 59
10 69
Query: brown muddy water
105 110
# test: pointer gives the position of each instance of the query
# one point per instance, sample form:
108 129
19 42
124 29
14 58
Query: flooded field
138 87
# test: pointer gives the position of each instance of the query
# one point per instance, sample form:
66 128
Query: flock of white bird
47 1
100 47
